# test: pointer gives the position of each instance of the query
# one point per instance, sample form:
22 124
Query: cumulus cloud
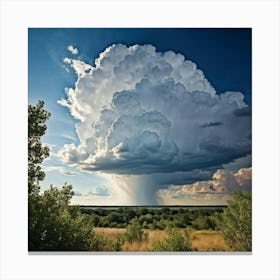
73 50
145 113
142 111
220 186
79 66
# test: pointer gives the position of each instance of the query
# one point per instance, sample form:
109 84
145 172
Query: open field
201 240
207 240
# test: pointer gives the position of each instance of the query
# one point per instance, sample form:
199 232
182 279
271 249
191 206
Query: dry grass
110 233
136 246
140 246
202 240
208 240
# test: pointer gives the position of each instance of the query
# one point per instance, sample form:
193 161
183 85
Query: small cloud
66 69
69 173
72 49
60 169
69 137
99 191
67 60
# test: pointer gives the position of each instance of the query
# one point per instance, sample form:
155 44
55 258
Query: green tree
53 224
37 117
235 222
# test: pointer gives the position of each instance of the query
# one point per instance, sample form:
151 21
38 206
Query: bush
118 242
175 241
134 232
202 222
235 222
56 226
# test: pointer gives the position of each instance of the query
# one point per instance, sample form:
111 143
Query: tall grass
208 240
201 240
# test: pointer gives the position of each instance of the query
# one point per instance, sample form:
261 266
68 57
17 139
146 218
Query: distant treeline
153 217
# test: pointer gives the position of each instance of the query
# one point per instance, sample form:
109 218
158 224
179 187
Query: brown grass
140 246
207 240
110 233
202 240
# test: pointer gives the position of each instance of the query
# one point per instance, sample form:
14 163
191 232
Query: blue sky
223 55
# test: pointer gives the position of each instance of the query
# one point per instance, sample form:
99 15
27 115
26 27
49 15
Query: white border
262 16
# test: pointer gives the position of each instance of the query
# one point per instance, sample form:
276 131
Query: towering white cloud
145 112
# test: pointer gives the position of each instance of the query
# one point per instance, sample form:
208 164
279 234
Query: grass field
201 240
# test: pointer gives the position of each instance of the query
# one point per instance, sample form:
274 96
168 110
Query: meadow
140 229
201 240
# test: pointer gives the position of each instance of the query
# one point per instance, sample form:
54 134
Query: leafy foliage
175 241
150 218
134 232
53 225
37 117
236 222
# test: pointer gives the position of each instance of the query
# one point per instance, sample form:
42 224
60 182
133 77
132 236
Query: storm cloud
142 111
145 113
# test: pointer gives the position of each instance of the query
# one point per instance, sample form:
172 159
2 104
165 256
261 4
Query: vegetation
37 117
52 224
235 222
201 240
134 232
153 218
175 241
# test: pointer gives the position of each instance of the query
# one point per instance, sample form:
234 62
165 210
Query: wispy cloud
69 137
60 169
73 50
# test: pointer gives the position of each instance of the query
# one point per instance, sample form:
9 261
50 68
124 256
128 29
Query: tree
37 117
235 222
53 225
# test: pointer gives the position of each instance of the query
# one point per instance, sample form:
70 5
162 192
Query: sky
144 116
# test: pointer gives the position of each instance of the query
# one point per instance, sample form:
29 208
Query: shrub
134 232
118 242
202 222
235 222
175 241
